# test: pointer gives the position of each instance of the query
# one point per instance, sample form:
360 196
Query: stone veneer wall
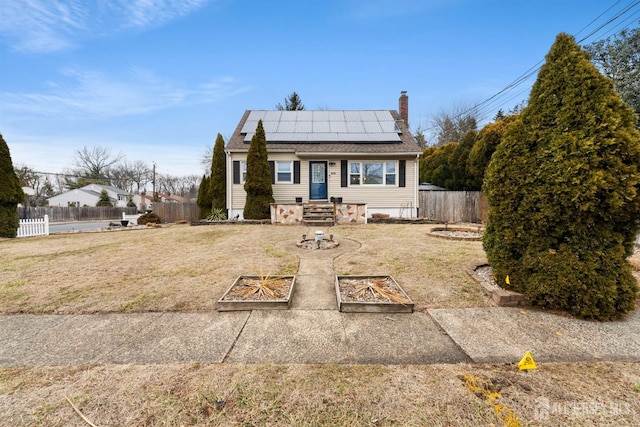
286 214
351 213
346 213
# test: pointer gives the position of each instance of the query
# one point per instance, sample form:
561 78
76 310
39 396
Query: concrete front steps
319 214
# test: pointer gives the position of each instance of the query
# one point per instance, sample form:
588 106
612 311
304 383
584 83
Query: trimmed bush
562 188
258 182
10 193
150 217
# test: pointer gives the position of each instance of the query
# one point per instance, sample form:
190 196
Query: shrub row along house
365 159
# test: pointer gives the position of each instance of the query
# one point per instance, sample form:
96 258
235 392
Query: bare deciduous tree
451 125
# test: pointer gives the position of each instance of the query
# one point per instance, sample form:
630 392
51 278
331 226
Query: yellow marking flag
507 280
527 362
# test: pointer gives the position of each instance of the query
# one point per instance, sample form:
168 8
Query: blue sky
157 80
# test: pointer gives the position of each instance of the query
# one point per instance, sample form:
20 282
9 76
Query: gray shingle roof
323 131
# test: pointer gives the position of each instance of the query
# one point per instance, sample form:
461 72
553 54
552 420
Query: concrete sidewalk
490 335
313 331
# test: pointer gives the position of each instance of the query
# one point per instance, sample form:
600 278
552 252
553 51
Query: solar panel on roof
368 116
270 126
320 115
304 127
336 116
286 127
389 127
272 116
356 127
383 116
324 137
321 127
324 126
305 116
381 137
372 127
352 116
338 127
256 115
249 126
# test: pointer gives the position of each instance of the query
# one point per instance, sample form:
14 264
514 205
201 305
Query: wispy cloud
82 93
54 25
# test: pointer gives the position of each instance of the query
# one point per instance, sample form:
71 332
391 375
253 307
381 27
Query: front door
318 181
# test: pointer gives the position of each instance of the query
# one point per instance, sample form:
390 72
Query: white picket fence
133 219
34 227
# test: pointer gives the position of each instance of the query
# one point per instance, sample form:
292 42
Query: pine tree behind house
258 181
562 189
104 199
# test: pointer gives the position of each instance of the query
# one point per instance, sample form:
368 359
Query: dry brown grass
183 268
179 268
189 268
602 394
432 271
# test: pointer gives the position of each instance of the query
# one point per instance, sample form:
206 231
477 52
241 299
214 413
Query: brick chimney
404 107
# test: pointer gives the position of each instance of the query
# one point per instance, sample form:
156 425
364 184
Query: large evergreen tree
258 182
291 103
218 180
203 201
104 199
485 145
10 193
563 188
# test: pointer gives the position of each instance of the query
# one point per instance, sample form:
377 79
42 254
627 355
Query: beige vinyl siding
379 196
287 192
282 192
382 197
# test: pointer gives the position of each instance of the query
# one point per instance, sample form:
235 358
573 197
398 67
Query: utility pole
153 181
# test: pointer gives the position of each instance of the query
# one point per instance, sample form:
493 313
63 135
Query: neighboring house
89 196
427 186
365 157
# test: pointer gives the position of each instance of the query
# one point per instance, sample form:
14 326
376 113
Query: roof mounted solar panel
324 126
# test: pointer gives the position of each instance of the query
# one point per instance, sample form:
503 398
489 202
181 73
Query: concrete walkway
313 331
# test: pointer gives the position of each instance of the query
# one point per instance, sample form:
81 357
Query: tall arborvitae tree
488 140
258 182
218 179
563 195
462 179
204 201
10 193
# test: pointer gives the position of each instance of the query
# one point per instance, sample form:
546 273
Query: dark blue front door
317 180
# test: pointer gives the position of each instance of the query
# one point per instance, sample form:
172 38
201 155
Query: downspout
416 200
229 183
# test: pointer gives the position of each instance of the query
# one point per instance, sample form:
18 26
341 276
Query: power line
496 100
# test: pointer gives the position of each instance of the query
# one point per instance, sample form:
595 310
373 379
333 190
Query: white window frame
243 171
278 172
358 179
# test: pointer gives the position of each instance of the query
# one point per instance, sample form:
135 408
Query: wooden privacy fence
86 213
453 206
173 212
33 227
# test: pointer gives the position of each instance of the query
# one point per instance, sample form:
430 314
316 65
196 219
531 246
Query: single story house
367 160
89 196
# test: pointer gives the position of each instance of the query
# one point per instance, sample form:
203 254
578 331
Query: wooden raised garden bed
258 292
371 294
